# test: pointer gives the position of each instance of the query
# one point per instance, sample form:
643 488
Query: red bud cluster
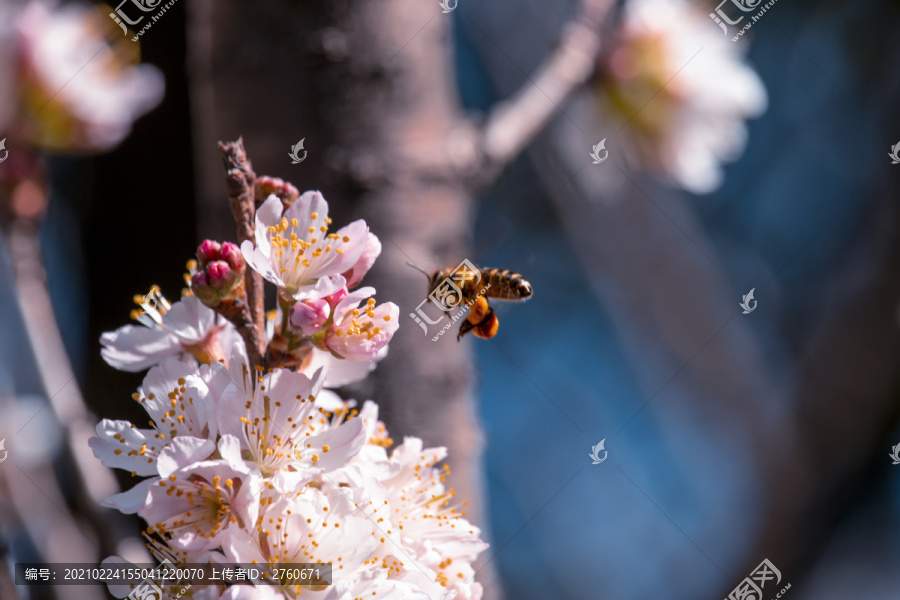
220 273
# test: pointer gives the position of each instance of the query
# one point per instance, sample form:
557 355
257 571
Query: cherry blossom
294 250
84 92
682 89
168 330
359 334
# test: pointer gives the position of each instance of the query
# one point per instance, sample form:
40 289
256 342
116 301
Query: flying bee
473 285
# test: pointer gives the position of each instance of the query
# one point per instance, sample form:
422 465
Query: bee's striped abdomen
506 285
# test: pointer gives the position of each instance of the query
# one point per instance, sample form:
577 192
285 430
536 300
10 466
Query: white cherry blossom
680 90
294 250
167 330
178 402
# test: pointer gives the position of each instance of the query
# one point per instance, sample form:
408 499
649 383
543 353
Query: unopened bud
310 315
201 288
208 251
221 276
266 186
231 254
219 273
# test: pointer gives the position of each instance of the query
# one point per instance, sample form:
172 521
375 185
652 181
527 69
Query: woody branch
239 180
512 124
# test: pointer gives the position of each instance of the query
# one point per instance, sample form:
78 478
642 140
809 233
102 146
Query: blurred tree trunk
370 87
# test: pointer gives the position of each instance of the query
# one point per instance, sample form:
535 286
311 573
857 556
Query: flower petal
371 252
134 499
260 262
183 452
133 348
190 320
343 443
121 445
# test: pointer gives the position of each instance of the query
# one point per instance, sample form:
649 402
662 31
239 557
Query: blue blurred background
749 436
732 438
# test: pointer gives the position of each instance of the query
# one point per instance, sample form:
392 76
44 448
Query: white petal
260 262
190 319
132 348
303 208
267 215
133 500
230 451
125 451
343 444
183 452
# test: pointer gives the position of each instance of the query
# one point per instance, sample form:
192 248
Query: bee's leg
465 327
477 314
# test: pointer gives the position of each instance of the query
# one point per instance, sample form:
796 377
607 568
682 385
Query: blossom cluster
248 462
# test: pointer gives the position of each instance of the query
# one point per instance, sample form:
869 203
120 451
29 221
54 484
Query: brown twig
479 154
512 124
240 179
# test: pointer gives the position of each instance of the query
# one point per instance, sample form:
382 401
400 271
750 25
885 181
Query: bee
474 286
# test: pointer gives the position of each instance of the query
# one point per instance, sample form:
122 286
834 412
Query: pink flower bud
231 254
220 273
266 186
310 315
221 276
208 251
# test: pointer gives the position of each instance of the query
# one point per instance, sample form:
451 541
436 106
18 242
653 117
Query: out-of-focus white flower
294 250
683 89
75 91
168 330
